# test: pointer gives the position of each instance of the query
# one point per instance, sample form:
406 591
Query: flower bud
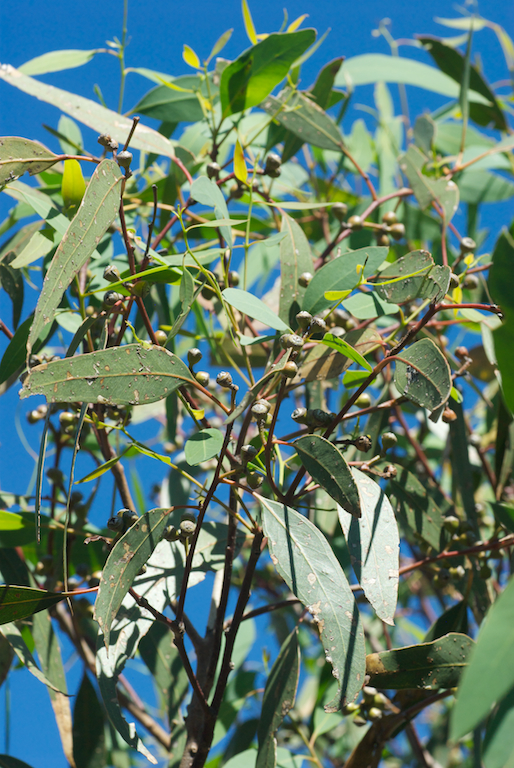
304 279
290 370
193 356
304 319
389 218
213 170
112 274
202 378
111 298
161 337
124 158
340 211
355 223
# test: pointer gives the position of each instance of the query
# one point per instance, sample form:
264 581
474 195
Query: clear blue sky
158 31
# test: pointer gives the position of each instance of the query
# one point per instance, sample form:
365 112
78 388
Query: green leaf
500 277
455 619
320 363
15 638
341 275
16 528
365 306
56 61
107 677
304 119
498 745
19 602
187 295
202 446
490 674
88 728
342 346
461 465
452 63
125 560
305 560
90 113
41 203
254 307
170 105
327 466
279 697
431 666
7 761
49 654
129 375
374 546
6 657
416 508
295 259
427 189
160 655
253 75
424 133
95 215
12 283
377 67
423 375
18 156
431 282
207 192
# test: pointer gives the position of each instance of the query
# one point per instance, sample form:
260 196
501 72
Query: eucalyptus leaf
415 276
423 375
489 662
428 189
13 635
374 546
88 727
320 363
327 466
295 260
95 215
304 118
342 346
279 698
56 61
251 305
129 375
19 602
305 560
416 508
498 744
434 665
203 445
18 156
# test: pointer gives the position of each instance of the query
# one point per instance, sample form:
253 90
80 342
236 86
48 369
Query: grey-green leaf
207 192
125 560
490 674
431 281
374 546
279 697
498 745
90 113
254 307
19 155
304 559
320 363
327 466
427 189
203 445
95 215
20 648
305 119
423 375
434 665
56 61
129 375
416 508
295 260
341 275
88 728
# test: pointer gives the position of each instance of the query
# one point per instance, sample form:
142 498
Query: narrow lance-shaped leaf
491 662
279 697
56 61
253 75
129 375
423 375
374 546
342 346
125 560
305 119
19 602
13 635
18 156
434 665
304 559
498 745
254 307
49 653
327 466
295 260
415 507
90 113
88 728
414 276
95 215
427 189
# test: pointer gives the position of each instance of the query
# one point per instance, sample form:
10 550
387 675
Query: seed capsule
112 274
355 223
340 211
254 480
290 370
304 319
161 337
248 452
124 158
224 379
111 298
259 411
467 245
389 218
299 415
397 231
202 378
389 440
304 279
193 356
213 170
363 443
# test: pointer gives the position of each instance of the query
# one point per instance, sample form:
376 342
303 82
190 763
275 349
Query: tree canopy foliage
282 298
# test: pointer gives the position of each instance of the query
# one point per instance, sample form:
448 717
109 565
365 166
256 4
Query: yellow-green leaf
73 186
190 57
297 22
249 25
240 169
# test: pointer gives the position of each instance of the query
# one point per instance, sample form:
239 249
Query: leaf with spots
414 276
95 215
306 562
125 560
423 375
374 546
327 466
434 665
19 155
295 260
129 375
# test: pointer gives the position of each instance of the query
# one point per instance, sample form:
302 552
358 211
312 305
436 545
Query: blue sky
157 32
